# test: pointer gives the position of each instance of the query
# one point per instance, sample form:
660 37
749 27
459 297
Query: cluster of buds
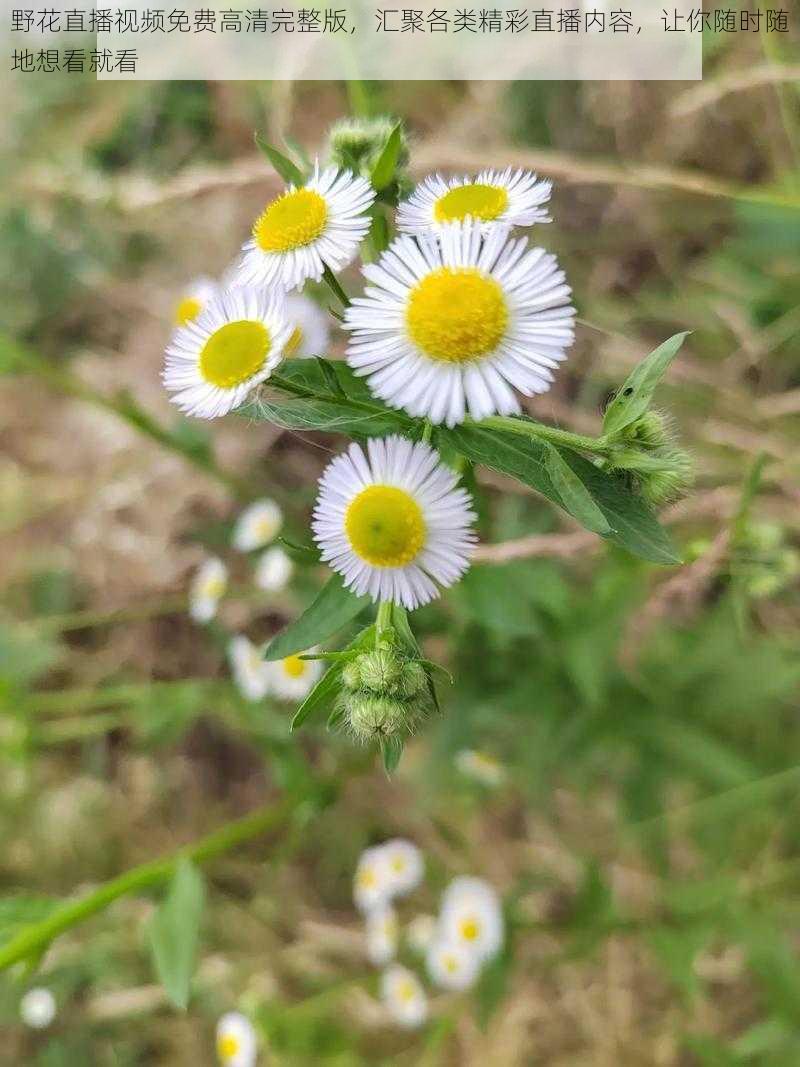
384 694
651 457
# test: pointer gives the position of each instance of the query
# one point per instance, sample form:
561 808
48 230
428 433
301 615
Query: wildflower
250 671
194 299
237 1045
293 678
452 965
457 324
405 865
214 361
471 917
393 523
304 229
383 934
273 571
481 767
513 197
420 933
371 882
404 996
208 588
257 525
37 1008
310 330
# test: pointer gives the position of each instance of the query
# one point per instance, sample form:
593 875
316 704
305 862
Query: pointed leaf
391 751
300 553
323 692
383 171
574 495
333 608
633 399
174 932
289 171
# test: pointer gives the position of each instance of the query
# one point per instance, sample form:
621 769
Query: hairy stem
598 446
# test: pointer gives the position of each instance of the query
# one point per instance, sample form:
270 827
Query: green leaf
289 171
634 397
320 696
333 608
328 415
391 751
307 554
574 495
632 523
174 932
383 171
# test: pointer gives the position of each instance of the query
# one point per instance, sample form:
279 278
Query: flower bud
372 717
380 671
356 144
351 676
651 430
671 480
412 679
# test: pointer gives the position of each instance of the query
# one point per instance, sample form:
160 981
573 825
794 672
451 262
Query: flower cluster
461 316
467 933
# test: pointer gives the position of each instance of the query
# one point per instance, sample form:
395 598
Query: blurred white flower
404 997
293 678
37 1008
481 767
208 588
371 880
257 525
383 934
273 570
250 671
194 298
310 329
452 965
471 916
405 866
237 1045
420 933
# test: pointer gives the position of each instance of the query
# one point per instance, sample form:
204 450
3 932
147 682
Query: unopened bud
380 671
372 717
652 430
356 144
351 675
671 480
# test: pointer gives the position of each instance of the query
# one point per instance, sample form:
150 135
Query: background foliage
646 842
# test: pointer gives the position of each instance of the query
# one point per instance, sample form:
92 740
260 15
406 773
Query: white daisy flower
250 670
371 881
293 678
237 1044
471 917
457 324
405 865
257 525
420 933
513 197
311 332
393 523
481 767
208 588
304 229
383 934
37 1008
214 361
404 997
195 297
273 570
452 965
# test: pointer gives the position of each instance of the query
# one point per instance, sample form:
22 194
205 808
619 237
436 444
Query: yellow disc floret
188 310
384 526
294 666
234 353
227 1047
470 929
478 201
457 315
294 220
294 342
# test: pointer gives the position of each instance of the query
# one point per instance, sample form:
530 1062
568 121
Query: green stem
598 446
35 937
427 431
333 284
383 621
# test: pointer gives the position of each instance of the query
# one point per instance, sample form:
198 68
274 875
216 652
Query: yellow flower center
384 526
366 878
457 315
293 220
450 964
227 1047
187 310
470 929
294 342
406 991
398 864
213 588
234 353
484 202
294 666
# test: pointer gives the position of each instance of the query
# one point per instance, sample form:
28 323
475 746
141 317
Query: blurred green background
646 840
